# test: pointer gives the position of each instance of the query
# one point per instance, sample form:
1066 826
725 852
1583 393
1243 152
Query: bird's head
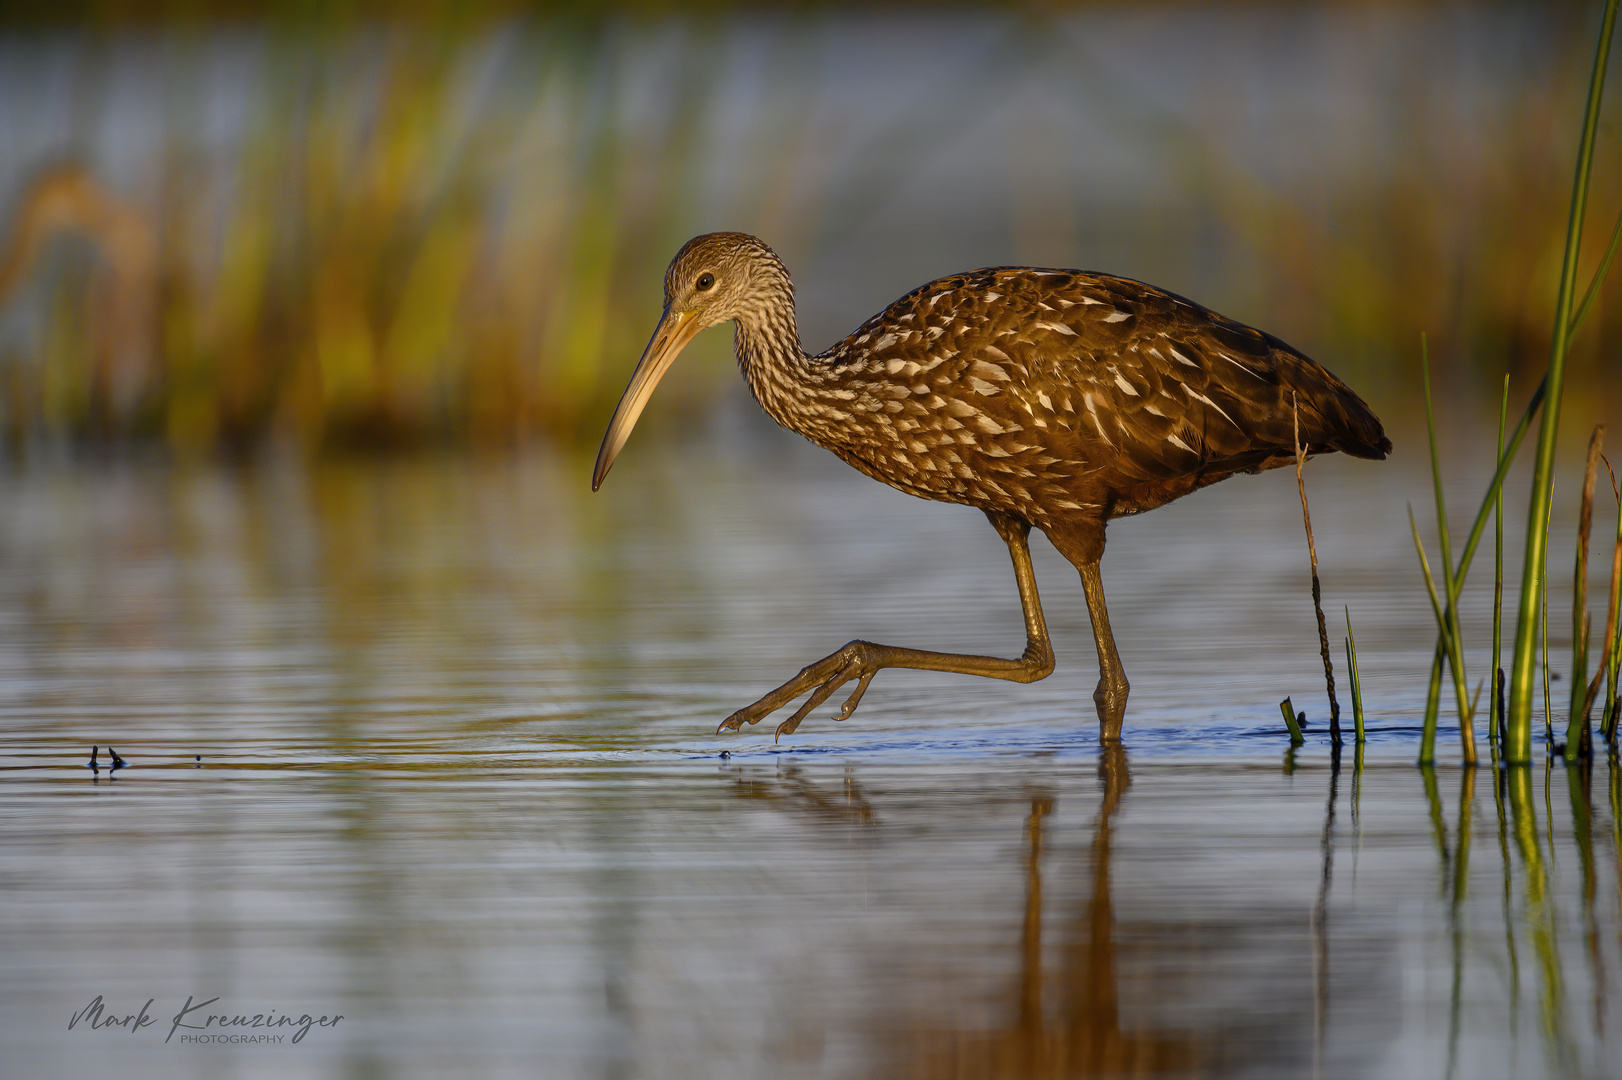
715 278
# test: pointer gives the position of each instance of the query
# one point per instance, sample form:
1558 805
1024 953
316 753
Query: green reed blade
1599 278
1494 496
1427 738
1548 717
1494 717
1357 680
1450 614
1519 748
1493 501
1296 738
1433 690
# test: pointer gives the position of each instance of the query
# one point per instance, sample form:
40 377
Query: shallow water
430 744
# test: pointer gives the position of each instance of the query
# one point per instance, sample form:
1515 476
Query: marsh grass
1612 655
1447 616
1577 729
1533 591
1532 620
452 227
1491 506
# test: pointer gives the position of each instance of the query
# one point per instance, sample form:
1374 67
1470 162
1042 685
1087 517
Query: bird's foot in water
1110 698
859 660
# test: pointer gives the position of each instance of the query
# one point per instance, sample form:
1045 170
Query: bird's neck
775 366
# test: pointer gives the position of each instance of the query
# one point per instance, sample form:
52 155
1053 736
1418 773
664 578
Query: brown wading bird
1057 399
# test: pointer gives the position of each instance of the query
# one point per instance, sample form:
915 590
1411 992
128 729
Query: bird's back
1060 393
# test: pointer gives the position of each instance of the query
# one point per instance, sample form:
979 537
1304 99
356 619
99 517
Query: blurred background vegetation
232 225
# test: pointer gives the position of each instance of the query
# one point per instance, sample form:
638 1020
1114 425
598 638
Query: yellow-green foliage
453 229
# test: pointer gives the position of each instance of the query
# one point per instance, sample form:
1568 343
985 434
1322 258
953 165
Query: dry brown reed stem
1609 648
1579 599
1317 591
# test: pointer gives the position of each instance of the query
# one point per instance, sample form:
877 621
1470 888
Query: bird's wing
1144 380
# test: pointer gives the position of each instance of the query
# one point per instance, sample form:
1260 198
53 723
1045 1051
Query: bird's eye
706 282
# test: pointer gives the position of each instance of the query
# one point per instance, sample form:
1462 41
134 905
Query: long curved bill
671 336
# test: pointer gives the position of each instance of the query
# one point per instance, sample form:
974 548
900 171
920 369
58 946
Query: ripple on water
460 783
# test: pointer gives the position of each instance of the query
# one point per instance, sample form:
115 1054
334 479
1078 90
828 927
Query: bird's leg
861 660
1110 696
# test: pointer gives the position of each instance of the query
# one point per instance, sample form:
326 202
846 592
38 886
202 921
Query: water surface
429 743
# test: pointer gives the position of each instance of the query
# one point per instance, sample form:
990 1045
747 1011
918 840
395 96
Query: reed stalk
1612 655
1291 722
1502 702
1317 591
1433 692
1599 276
1357 682
1518 750
1448 617
1427 738
1495 708
1543 624
1493 502
1580 623
1494 494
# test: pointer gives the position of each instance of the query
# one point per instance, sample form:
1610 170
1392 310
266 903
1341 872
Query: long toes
818 696
856 695
753 713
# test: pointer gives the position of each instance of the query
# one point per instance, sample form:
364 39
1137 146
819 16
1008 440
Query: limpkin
1050 399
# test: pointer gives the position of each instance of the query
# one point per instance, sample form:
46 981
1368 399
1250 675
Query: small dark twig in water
1317 591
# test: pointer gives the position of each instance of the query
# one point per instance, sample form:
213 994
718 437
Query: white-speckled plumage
992 363
1054 399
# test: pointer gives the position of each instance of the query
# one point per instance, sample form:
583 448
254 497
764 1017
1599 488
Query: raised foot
857 660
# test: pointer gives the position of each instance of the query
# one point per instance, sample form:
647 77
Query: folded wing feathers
1184 386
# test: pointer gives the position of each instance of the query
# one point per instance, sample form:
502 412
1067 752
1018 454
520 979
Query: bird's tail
1354 429
1332 416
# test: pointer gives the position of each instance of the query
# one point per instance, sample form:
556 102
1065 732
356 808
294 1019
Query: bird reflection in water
848 807
1068 1022
1062 1013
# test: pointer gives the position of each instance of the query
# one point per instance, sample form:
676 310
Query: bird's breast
953 425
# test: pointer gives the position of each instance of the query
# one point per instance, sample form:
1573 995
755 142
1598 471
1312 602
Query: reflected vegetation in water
1027 919
458 783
